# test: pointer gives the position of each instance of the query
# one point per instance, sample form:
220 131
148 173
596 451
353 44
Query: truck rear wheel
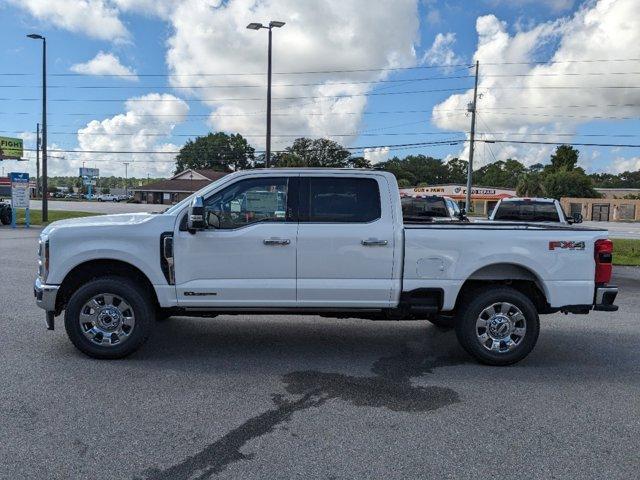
5 214
109 317
497 325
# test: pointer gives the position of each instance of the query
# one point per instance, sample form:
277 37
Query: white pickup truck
315 241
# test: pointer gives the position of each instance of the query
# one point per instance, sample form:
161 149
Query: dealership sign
19 190
89 172
11 148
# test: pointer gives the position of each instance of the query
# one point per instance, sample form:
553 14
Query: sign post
19 196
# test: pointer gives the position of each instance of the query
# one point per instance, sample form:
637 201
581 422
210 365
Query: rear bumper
604 298
45 295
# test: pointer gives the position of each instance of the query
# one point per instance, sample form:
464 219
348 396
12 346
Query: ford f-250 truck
322 242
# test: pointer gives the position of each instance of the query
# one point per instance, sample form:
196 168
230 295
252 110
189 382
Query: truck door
345 242
250 259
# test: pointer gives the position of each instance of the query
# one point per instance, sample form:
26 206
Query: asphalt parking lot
306 397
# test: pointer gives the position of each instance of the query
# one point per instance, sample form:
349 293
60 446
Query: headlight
43 260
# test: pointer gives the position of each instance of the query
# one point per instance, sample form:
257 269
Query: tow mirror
195 217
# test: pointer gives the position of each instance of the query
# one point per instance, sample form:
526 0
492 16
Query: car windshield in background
527 212
424 207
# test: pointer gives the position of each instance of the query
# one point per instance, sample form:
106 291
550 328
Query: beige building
603 209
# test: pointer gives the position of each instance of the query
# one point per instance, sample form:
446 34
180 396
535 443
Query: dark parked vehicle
431 208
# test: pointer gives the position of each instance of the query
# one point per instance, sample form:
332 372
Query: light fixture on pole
45 204
258 26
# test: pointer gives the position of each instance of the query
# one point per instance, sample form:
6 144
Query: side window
343 200
250 201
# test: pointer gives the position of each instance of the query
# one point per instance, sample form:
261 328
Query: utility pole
37 160
45 205
472 108
126 165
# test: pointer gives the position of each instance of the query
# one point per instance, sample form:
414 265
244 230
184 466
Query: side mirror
577 218
195 216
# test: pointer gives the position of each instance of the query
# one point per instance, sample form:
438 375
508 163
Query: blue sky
161 49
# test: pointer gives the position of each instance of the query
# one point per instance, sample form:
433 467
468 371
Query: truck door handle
374 242
276 241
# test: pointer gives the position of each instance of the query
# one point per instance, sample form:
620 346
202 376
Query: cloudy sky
378 76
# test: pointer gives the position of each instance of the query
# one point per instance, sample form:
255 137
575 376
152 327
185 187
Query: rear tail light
603 256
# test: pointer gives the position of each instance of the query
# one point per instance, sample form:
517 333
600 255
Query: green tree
565 183
105 190
417 169
565 158
530 185
505 174
217 151
457 171
320 152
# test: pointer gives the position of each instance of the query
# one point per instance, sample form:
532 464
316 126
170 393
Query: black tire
137 298
5 214
472 306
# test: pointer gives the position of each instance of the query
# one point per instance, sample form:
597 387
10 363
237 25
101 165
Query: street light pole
45 204
258 26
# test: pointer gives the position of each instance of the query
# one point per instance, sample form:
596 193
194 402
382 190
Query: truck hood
121 219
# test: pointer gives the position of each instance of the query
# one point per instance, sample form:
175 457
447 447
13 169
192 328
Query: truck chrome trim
45 295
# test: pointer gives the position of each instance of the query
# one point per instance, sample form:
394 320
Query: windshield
527 212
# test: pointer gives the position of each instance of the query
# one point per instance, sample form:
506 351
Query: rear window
342 200
424 207
527 212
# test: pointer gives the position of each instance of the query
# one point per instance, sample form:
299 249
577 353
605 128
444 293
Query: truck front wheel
497 325
109 317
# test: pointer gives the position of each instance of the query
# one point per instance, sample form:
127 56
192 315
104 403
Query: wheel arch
98 268
510 274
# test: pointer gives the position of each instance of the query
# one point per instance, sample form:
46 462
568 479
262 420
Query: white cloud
441 51
555 5
607 29
105 64
211 37
145 126
376 155
622 164
94 18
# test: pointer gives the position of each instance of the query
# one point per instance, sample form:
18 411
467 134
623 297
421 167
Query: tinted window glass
338 200
424 207
250 201
527 212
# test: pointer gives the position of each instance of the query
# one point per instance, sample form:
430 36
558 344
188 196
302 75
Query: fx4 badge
566 245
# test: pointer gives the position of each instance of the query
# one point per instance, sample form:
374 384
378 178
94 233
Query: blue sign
19 195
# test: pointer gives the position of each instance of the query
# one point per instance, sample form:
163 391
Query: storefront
603 209
483 199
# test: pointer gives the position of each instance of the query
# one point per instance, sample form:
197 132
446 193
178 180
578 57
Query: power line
155 100
308 72
325 83
188 87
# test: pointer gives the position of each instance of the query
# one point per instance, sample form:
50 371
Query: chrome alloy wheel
107 320
501 327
